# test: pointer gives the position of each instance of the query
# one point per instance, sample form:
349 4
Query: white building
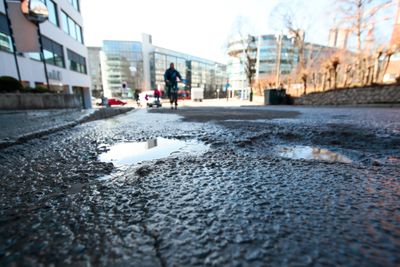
64 51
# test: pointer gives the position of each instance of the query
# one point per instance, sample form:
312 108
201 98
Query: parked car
115 102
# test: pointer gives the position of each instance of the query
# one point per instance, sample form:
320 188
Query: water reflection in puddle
311 153
129 153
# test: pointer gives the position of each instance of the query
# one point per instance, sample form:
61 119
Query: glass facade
5 37
267 53
71 27
196 72
123 63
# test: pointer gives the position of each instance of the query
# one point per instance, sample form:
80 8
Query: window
75 4
52 8
71 27
76 62
5 36
78 33
52 52
64 22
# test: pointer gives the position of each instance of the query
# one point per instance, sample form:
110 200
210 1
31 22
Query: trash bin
274 96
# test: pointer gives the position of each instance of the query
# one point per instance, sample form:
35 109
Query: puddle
311 153
130 153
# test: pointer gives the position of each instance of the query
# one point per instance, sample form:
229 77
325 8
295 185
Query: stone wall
39 101
388 94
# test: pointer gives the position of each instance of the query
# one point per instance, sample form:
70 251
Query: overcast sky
196 27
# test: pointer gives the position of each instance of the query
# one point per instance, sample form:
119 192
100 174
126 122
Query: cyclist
170 78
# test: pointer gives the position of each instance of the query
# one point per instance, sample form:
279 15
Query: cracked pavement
237 204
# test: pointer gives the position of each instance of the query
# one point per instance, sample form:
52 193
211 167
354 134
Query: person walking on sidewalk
170 77
227 89
157 96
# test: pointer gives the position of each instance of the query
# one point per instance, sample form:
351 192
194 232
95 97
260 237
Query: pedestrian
227 90
170 77
157 95
125 90
104 101
137 99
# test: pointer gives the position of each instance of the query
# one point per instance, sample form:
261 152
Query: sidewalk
222 102
18 126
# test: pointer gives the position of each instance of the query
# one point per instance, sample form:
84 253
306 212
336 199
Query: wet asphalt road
237 204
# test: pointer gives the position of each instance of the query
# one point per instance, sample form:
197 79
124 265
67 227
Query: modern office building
141 66
275 56
64 51
121 62
94 65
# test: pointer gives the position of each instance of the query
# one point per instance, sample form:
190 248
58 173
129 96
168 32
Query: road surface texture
247 199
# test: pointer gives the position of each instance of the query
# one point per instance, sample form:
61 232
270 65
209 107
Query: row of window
68 25
52 51
54 55
50 4
5 39
71 27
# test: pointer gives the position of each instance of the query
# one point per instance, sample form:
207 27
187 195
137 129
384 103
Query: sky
197 27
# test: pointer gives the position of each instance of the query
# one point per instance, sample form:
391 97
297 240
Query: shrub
27 89
9 84
35 90
41 89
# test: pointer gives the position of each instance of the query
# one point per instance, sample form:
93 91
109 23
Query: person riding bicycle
170 78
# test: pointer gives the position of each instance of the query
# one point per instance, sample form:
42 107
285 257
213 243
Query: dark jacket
170 76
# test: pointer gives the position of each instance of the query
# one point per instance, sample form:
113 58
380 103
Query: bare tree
250 61
290 17
246 50
359 15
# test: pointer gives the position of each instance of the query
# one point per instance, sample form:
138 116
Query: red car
115 102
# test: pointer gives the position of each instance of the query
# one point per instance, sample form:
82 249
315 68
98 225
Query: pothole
131 153
311 153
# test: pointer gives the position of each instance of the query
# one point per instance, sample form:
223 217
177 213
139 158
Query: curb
98 114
